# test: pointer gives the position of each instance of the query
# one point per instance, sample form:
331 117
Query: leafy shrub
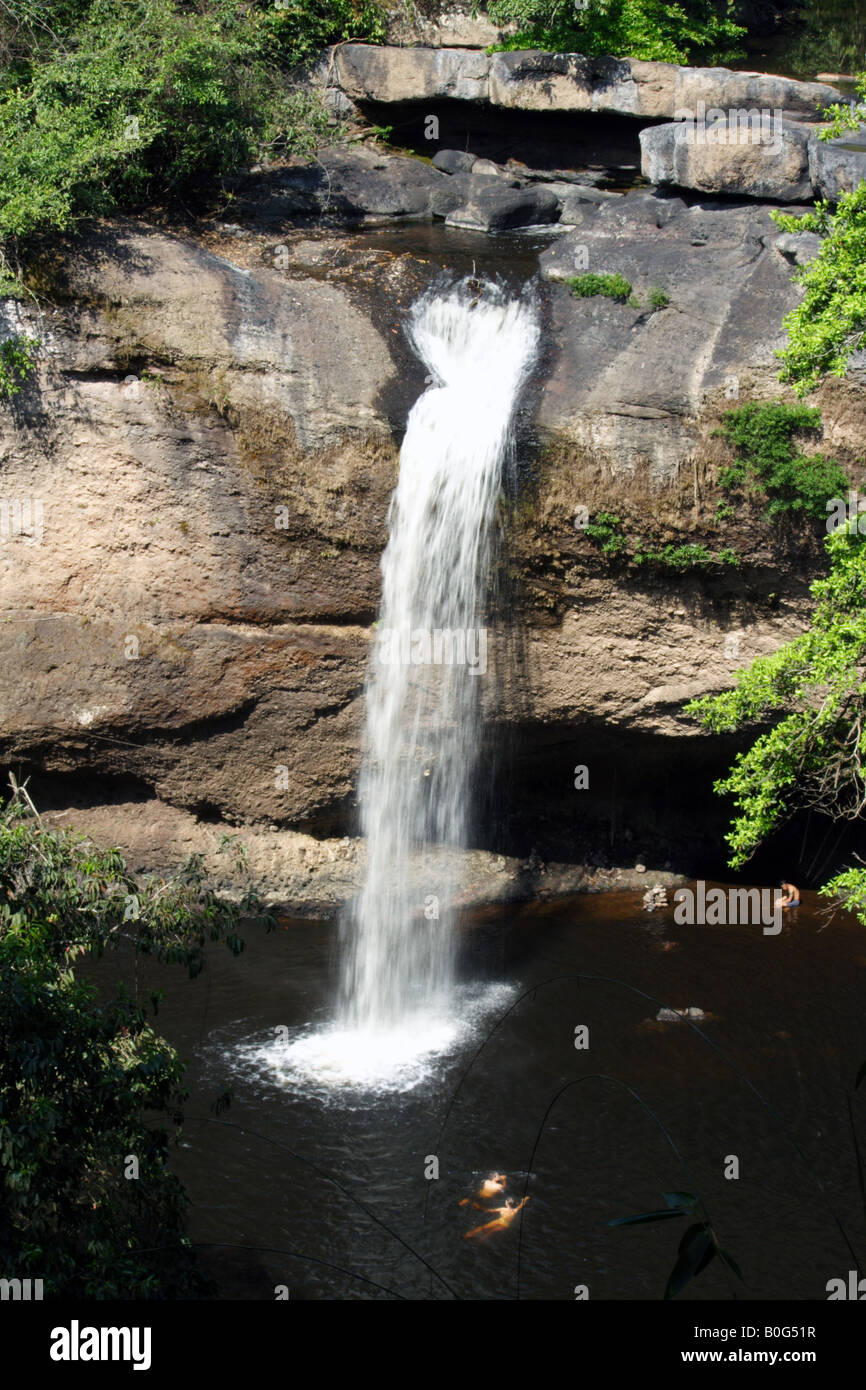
811 693
588 284
652 29
17 358
658 298
685 557
606 529
829 323
763 435
302 28
125 104
77 1075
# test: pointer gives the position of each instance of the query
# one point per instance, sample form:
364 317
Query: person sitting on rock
504 1217
791 896
494 1186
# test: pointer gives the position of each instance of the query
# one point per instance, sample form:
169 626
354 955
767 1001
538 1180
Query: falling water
430 656
398 1005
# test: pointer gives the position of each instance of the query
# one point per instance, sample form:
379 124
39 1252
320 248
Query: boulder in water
494 207
453 161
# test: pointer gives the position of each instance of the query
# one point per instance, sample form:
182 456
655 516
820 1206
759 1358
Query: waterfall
429 657
399 1008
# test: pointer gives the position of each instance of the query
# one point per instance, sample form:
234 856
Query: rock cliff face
209 447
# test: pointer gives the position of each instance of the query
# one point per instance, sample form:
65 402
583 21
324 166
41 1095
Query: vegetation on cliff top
105 106
690 31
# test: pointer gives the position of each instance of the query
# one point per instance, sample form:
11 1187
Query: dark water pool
657 1108
829 37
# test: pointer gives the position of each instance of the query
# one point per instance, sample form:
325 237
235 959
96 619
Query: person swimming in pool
504 1217
791 895
494 1186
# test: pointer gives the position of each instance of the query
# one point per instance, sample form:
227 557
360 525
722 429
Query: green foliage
606 529
75 895
829 323
763 436
17 359
845 116
698 1247
587 284
813 690
124 105
848 889
85 1083
75 1079
651 29
682 557
302 28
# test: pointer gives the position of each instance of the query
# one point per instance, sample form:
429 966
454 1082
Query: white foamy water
332 1061
397 1006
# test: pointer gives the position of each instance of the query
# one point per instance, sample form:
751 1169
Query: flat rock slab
536 81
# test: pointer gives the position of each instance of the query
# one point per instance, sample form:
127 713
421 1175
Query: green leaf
697 1248
686 1200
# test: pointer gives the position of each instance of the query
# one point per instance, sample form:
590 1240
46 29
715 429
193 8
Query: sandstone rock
487 168
838 166
798 247
495 208
378 74
452 194
574 200
337 102
342 185
451 28
538 81
716 159
278 386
